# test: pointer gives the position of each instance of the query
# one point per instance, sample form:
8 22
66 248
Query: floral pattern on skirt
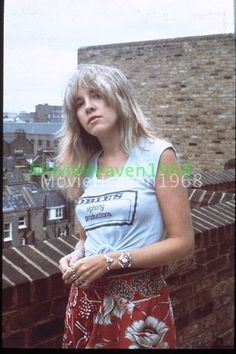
130 310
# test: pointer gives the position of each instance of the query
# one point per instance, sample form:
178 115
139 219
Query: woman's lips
93 119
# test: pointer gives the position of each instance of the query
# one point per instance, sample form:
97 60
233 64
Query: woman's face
95 115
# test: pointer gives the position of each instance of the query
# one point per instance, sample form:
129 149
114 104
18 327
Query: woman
118 297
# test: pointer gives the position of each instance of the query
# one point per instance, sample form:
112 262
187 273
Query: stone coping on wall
158 42
213 217
27 264
202 197
214 180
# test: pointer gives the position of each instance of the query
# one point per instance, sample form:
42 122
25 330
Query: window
62 232
56 213
18 152
22 241
59 213
7 231
40 143
22 222
48 143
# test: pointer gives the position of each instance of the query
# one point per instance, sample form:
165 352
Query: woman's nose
89 107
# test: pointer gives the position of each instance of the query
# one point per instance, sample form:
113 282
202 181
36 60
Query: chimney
20 133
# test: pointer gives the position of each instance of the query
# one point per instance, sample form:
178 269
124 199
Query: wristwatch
125 260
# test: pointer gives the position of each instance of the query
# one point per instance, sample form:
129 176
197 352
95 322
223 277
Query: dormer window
55 213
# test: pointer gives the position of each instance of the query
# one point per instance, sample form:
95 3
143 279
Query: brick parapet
202 197
201 287
158 42
202 292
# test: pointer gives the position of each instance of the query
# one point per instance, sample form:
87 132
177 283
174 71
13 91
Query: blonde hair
76 146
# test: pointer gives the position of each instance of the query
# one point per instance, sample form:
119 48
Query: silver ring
73 276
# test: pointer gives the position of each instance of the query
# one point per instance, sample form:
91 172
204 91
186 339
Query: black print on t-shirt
109 209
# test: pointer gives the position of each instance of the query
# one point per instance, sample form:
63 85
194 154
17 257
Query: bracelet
109 261
125 260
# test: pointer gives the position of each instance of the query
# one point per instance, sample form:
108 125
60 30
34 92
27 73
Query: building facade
31 214
40 135
47 113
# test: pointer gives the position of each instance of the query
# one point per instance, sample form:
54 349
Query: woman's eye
79 104
96 95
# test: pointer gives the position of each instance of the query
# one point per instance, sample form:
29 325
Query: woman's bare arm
174 204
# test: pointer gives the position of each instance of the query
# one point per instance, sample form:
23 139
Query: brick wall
14 220
34 296
186 86
201 287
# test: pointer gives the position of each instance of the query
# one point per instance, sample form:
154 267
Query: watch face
125 260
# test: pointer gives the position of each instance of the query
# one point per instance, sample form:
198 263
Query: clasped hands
82 271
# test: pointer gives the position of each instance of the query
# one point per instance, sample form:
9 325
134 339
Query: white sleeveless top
122 212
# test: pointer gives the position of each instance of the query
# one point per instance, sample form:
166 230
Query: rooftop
32 128
23 196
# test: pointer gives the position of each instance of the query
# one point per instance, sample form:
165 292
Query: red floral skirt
129 310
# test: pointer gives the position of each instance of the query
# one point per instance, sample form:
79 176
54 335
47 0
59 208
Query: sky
41 37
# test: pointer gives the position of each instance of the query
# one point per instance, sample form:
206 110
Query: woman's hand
67 262
85 270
